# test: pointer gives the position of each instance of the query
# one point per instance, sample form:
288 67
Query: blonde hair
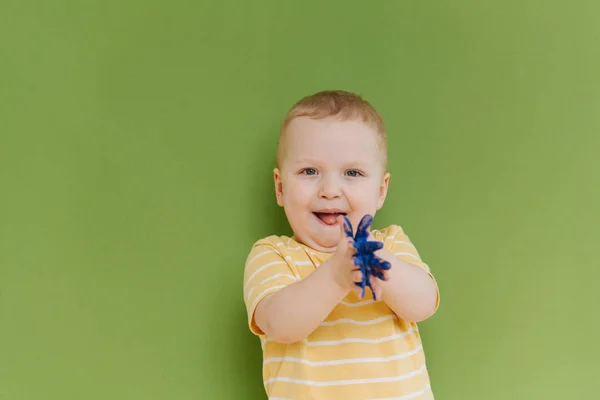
335 103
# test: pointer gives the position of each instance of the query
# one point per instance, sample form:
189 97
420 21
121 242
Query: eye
354 173
309 171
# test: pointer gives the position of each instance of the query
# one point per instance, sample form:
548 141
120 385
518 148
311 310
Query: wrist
331 272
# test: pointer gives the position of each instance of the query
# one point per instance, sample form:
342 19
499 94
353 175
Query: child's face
329 167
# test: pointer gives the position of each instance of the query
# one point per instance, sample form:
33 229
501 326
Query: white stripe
262 268
348 381
352 340
358 304
258 255
296 248
359 340
404 242
345 361
354 322
269 279
303 263
403 253
413 328
272 288
289 248
410 395
277 276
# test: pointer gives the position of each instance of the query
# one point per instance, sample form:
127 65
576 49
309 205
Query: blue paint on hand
365 258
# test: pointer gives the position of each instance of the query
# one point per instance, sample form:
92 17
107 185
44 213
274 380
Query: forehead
331 139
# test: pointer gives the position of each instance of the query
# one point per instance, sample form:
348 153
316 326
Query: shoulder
273 241
389 232
274 244
392 237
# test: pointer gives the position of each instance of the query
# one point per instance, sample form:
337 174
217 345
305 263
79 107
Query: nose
330 188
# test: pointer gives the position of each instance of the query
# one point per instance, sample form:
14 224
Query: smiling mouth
328 218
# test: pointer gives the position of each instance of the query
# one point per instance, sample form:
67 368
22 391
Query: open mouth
328 218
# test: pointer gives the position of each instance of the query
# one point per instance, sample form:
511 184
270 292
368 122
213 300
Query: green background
137 140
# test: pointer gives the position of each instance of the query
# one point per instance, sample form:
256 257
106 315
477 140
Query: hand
371 269
346 273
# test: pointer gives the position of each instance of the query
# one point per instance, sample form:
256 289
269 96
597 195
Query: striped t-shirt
361 351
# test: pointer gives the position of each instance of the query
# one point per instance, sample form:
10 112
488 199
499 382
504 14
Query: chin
325 244
321 238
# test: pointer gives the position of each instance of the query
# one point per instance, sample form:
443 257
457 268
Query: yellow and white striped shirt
361 351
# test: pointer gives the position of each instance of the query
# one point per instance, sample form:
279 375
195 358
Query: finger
370 247
345 242
381 264
357 276
378 273
347 226
351 245
376 286
377 291
359 289
359 262
363 226
386 275
340 222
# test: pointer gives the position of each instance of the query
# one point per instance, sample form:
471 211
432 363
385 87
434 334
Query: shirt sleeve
402 247
266 271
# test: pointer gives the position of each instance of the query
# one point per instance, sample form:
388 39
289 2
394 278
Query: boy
320 339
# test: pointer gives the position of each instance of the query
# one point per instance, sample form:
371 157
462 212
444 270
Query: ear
278 186
383 189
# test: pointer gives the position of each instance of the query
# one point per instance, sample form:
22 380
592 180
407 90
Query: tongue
329 219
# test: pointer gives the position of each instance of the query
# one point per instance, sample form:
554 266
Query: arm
294 312
409 290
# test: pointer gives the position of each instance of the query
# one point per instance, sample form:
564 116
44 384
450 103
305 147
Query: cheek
364 196
297 193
